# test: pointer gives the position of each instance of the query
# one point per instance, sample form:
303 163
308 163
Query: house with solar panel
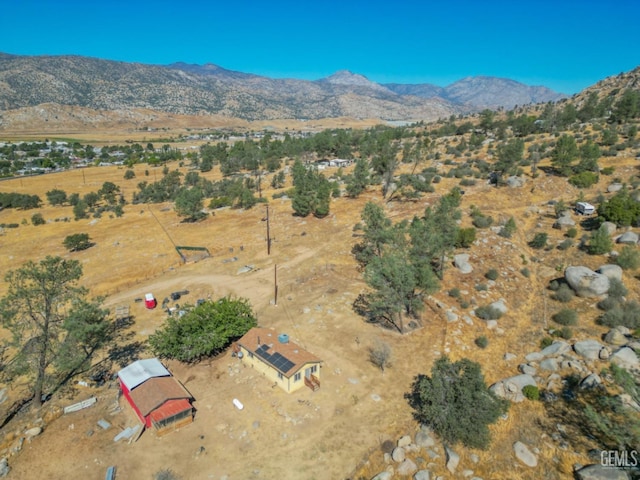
287 364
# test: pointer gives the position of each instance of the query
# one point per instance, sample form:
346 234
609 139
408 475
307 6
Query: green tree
621 209
129 174
628 258
564 154
77 242
80 210
56 196
91 199
589 156
46 312
203 331
509 156
600 242
189 203
359 180
456 402
37 219
378 232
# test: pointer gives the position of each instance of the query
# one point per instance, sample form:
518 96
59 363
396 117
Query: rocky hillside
482 92
180 88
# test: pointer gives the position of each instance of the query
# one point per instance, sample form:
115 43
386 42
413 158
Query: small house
285 363
158 398
149 301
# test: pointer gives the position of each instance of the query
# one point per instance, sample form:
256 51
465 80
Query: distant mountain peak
346 77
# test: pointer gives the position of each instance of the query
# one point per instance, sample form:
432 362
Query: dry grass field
335 432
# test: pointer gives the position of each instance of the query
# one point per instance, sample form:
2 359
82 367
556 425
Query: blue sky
565 45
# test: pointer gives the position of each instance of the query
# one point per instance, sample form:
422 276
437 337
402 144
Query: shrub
626 314
525 272
487 312
482 221
565 244
545 342
608 303
456 402
565 333
508 229
454 292
129 174
600 242
380 354
572 232
77 242
564 293
607 171
492 274
482 341
481 287
539 240
566 316
467 182
37 219
628 258
165 474
584 179
617 289
531 392
465 237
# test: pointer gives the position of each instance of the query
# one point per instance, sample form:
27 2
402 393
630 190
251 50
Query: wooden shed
158 399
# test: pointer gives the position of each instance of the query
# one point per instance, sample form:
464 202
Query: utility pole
268 233
275 285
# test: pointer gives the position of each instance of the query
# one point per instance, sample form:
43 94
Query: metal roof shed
140 371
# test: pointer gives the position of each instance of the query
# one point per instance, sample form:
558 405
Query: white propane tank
238 404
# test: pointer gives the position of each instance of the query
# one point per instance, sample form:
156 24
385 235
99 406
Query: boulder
453 459
564 222
500 306
511 388
33 432
4 468
614 187
610 227
398 454
404 441
461 261
406 468
585 282
625 358
534 357
616 336
611 271
383 476
527 369
628 237
515 181
424 438
600 472
549 364
556 348
628 402
509 356
589 349
590 381
422 475
525 455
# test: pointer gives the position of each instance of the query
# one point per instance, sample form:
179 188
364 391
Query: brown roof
265 337
155 392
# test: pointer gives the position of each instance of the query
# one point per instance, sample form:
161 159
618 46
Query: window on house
250 354
296 377
314 369
279 375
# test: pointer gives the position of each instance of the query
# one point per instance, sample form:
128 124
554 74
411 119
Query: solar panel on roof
287 366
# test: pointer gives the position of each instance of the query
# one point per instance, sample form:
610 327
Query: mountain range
180 88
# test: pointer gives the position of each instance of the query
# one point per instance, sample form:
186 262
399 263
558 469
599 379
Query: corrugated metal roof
141 371
154 393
